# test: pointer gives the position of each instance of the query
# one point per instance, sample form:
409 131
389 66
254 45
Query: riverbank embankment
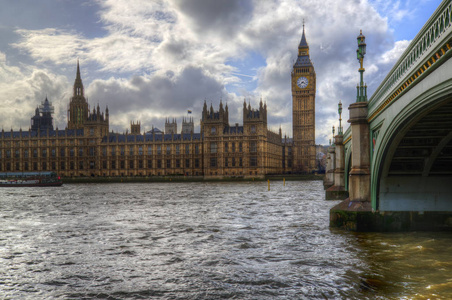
125 179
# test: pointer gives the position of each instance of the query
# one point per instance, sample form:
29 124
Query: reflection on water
417 265
205 241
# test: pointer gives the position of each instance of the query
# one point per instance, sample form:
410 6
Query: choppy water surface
205 241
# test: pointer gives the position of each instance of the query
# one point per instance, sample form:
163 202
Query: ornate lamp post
360 52
339 130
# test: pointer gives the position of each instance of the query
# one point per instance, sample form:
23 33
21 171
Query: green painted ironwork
333 134
417 53
360 52
340 129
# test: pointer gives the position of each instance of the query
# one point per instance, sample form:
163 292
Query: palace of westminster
87 147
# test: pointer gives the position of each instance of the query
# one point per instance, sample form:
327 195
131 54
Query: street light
360 52
333 135
339 130
361 47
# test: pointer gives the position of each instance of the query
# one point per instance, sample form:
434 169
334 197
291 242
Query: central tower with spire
78 106
96 123
303 109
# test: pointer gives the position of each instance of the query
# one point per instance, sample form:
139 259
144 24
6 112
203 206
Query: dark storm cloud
193 85
166 95
223 17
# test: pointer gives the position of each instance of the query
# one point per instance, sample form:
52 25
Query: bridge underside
417 175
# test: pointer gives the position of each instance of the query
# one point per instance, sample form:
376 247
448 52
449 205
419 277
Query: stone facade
87 147
170 126
250 150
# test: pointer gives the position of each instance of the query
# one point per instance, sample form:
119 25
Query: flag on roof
189 111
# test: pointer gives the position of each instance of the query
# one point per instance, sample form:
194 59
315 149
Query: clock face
302 82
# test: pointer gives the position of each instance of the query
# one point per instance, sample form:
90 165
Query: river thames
205 241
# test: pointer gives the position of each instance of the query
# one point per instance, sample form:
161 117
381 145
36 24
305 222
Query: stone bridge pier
337 190
355 212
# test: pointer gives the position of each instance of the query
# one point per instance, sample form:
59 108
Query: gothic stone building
249 150
88 148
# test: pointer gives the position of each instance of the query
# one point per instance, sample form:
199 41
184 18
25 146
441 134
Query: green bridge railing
424 50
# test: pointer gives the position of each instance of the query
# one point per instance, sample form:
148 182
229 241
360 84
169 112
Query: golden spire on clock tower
303 52
303 47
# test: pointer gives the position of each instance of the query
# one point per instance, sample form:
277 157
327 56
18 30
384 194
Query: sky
148 60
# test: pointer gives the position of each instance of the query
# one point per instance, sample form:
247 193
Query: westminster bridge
393 166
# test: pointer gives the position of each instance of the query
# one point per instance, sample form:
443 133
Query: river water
205 241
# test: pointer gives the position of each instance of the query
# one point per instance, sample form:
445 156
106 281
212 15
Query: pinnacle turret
78 85
78 77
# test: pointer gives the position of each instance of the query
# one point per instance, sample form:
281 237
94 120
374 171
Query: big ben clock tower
303 110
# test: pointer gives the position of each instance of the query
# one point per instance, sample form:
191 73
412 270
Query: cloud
220 19
396 11
50 44
392 55
24 89
159 58
150 98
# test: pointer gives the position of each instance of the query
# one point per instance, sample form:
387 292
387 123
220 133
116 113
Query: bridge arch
412 160
347 164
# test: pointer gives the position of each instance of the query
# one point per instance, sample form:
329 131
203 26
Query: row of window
33 167
159 164
92 151
214 147
131 150
44 153
302 70
213 129
53 142
122 151
92 165
228 162
233 162
44 143
149 150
